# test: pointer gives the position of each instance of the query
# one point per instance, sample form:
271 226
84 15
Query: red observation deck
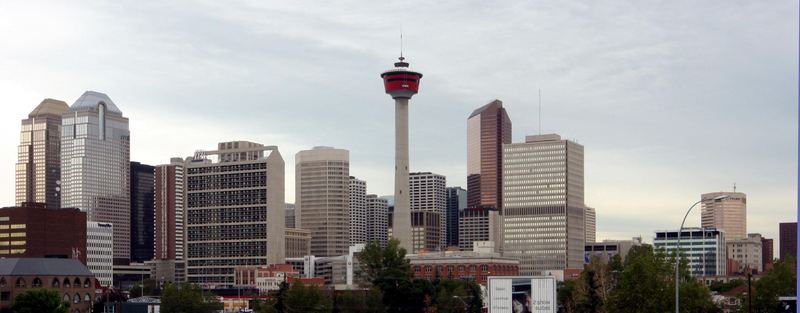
400 82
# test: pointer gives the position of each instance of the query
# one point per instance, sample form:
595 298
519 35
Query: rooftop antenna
734 187
401 44
540 111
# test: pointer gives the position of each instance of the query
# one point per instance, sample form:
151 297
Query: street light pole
678 255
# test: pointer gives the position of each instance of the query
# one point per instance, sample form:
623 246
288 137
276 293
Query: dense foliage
779 282
39 300
187 298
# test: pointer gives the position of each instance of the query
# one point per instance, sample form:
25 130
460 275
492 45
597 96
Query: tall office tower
591 225
39 155
322 190
142 212
95 166
170 215
377 219
234 211
488 128
358 211
787 237
401 83
291 216
726 214
425 231
428 192
456 202
543 209
100 251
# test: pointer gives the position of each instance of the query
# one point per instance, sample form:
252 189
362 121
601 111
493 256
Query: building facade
590 218
543 207
100 251
322 196
705 249
488 129
767 253
38 169
291 216
428 193
95 165
234 210
33 230
69 278
787 236
425 231
476 224
142 212
169 247
463 265
298 242
605 251
377 220
746 254
358 211
456 202
728 215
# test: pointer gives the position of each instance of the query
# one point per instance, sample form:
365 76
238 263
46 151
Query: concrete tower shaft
401 84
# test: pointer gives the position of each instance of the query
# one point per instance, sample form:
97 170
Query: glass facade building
142 212
38 168
95 165
705 249
456 202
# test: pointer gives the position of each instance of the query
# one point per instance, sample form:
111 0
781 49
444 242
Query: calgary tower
401 83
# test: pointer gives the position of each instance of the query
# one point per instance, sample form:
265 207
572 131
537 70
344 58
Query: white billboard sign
526 294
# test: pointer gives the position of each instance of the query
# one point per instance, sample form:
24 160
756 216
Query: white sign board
526 294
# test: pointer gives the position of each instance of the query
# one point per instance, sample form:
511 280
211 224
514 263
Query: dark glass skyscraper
456 201
142 212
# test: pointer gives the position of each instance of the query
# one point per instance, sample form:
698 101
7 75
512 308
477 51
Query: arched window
20 283
428 269
56 283
87 283
87 298
77 282
76 298
484 267
37 282
67 284
2 282
416 268
472 268
66 297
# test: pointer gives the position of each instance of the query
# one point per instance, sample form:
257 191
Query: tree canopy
187 298
39 300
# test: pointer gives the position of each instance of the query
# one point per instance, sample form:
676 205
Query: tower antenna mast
401 44
540 111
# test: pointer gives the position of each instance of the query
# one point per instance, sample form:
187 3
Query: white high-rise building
591 225
543 207
727 214
704 248
322 192
100 251
377 219
234 211
428 193
95 165
358 211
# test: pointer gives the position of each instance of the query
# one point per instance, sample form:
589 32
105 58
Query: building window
37 282
67 285
76 298
87 298
56 283
2 282
86 283
77 283
20 283
66 297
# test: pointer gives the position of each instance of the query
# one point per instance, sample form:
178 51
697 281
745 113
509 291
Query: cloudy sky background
670 98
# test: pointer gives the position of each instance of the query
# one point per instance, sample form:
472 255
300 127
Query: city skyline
621 96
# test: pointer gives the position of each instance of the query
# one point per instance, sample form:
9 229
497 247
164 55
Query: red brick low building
462 265
33 231
71 279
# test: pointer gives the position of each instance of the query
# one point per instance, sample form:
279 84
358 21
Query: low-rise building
70 278
298 242
33 231
100 251
475 265
704 248
607 249
746 254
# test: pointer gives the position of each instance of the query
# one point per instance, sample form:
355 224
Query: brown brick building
71 279
462 265
33 231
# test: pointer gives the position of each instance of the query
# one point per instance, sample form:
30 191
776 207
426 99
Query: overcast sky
670 99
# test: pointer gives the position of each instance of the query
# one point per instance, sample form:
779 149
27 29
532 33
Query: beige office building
728 215
591 225
543 209
746 254
38 167
322 198
298 242
428 193
234 211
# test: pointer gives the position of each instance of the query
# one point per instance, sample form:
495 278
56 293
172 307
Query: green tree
360 301
302 298
110 295
39 300
187 298
779 282
151 288
644 283
567 294
591 300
